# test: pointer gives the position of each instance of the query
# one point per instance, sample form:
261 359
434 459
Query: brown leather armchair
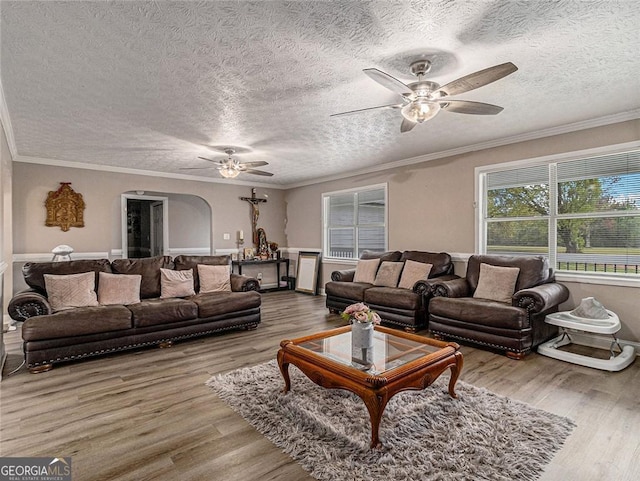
516 326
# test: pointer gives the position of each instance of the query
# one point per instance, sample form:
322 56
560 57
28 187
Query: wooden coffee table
401 362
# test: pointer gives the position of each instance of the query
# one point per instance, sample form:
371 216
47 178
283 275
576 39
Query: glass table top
388 351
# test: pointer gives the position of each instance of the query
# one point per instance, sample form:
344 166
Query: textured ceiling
152 85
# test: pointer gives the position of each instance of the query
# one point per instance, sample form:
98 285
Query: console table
259 262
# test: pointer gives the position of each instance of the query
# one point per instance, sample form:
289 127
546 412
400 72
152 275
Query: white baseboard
176 251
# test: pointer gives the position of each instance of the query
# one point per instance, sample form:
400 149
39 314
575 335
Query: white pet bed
609 325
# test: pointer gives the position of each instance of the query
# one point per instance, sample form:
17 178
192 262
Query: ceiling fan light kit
420 110
423 100
228 172
230 168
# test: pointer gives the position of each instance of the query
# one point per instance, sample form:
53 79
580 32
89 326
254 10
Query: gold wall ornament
65 208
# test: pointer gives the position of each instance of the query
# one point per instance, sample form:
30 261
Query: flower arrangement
360 312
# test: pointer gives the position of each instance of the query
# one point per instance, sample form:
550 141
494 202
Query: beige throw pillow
496 283
413 272
120 289
72 290
214 278
388 274
176 283
366 270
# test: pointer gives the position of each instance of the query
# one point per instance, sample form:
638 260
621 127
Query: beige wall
189 220
6 244
5 234
101 192
431 207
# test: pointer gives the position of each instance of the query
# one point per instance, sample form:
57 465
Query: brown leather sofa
516 326
52 337
399 307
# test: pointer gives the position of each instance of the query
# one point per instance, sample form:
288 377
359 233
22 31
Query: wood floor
148 414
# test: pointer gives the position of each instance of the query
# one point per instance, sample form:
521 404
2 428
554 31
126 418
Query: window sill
336 260
605 280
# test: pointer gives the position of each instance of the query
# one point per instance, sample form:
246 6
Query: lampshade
228 172
420 110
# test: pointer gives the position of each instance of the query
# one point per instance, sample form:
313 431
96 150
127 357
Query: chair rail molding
189 251
47 257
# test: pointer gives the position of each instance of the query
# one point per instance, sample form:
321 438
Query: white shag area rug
427 435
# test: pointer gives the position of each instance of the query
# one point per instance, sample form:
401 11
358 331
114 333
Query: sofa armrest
457 287
541 298
244 283
28 303
425 287
344 276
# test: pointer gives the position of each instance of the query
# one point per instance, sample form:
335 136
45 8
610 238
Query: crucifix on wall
255 213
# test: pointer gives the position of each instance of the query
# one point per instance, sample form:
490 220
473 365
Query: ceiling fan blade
258 172
210 160
406 125
257 163
392 106
388 81
468 107
478 79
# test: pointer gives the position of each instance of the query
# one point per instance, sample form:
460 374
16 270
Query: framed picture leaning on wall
308 272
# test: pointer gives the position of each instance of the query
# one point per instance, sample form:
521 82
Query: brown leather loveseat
400 305
77 332
501 303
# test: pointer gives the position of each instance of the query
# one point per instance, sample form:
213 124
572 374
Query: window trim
480 207
323 199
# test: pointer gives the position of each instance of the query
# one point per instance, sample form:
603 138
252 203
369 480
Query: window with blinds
355 221
584 213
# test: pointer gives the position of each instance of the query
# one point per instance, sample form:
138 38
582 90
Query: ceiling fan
422 100
231 168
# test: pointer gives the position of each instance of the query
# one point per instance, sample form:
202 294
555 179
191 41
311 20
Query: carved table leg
456 369
284 369
375 406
